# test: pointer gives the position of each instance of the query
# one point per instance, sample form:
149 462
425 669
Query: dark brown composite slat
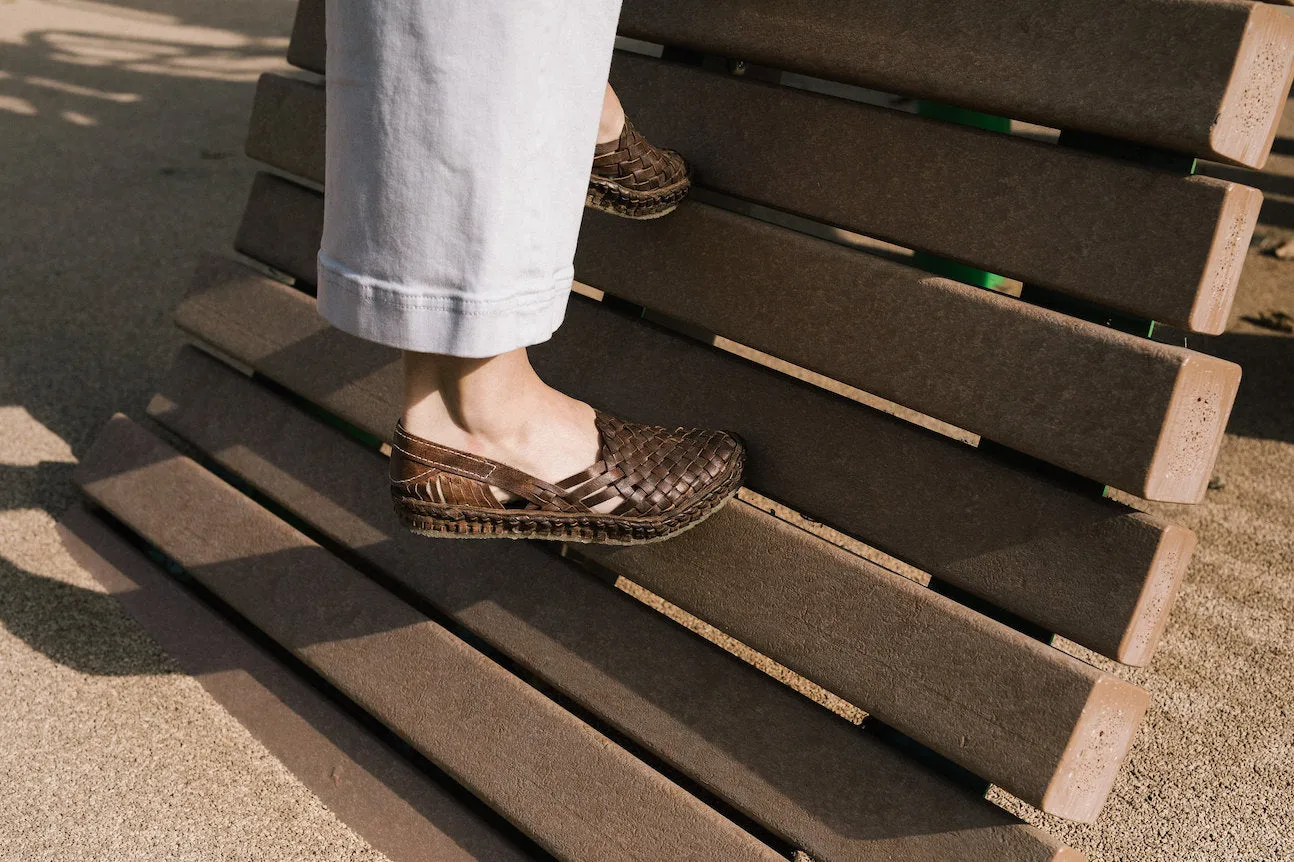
654 679
1049 728
1110 406
789 764
307 49
1093 570
575 792
1203 76
394 807
1117 408
1055 217
282 226
287 124
1051 216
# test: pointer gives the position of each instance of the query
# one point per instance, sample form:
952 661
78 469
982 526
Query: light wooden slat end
1192 431
1217 290
1260 83
1098 747
1167 568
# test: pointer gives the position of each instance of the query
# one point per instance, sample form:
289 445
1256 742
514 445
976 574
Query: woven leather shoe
667 480
633 179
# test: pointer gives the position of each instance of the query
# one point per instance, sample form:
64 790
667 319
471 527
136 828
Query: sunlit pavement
120 163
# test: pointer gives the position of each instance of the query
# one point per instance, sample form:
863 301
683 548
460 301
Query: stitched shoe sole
462 522
609 197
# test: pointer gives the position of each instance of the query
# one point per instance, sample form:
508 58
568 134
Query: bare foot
612 122
498 408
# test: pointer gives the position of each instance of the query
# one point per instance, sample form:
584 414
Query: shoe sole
462 522
605 196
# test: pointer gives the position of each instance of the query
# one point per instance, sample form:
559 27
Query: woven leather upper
653 470
633 163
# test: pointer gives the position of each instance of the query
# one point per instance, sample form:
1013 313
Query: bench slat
796 768
1038 771
1051 216
308 46
1106 405
1204 77
1109 406
282 225
562 782
1093 570
1144 417
1128 236
1007 707
390 802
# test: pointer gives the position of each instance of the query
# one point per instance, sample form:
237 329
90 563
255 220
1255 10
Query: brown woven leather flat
667 479
632 178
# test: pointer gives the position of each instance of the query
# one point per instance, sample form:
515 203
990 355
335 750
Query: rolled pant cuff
430 321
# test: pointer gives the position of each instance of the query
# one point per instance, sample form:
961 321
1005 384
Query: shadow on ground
84 630
126 123
77 627
1265 403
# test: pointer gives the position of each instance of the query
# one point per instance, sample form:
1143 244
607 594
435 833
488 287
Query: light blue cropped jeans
460 139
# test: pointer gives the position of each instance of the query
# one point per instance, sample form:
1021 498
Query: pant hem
428 320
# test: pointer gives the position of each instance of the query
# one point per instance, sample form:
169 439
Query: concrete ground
121 131
121 128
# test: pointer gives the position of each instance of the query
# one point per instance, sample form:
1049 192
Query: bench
940 517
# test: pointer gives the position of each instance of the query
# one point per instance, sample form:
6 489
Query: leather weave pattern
633 163
653 471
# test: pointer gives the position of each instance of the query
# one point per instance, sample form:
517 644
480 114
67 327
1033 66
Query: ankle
609 129
467 402
498 408
484 426
475 430
612 122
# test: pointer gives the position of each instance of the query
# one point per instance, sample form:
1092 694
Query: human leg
459 141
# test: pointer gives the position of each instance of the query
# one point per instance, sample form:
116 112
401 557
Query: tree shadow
79 628
129 117
84 630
